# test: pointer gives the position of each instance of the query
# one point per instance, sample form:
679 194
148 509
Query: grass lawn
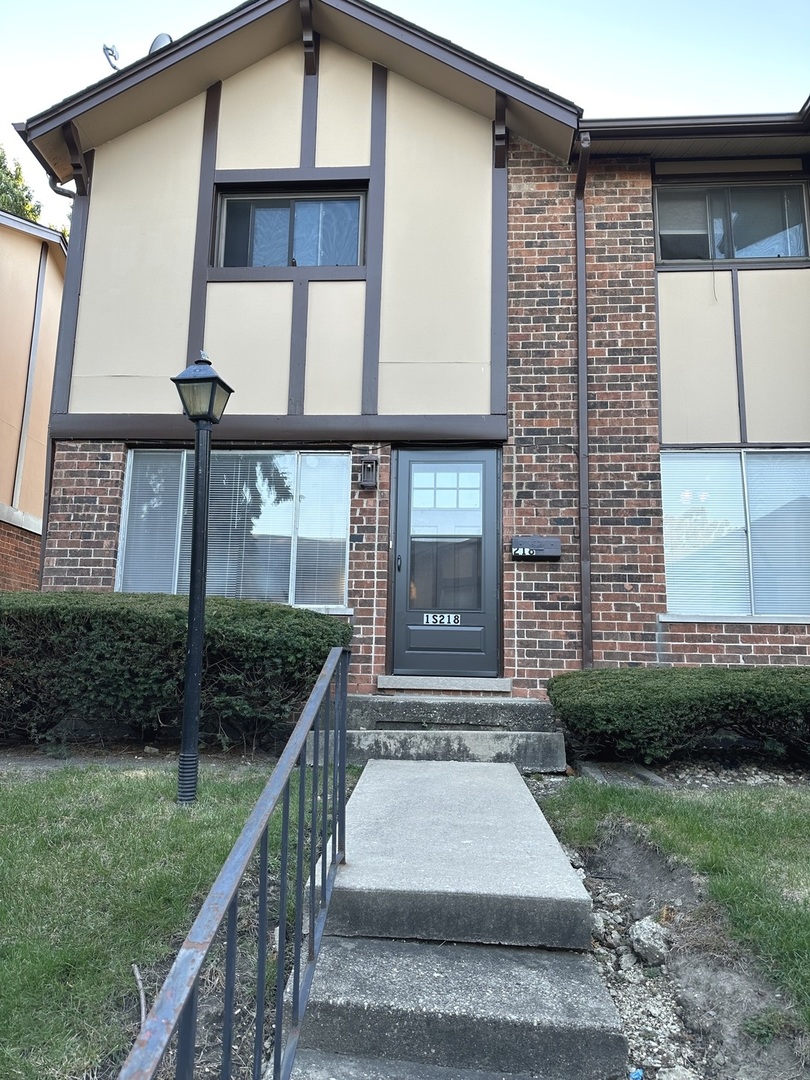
752 844
99 868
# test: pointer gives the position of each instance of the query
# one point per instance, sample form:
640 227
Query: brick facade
87 490
542 609
19 558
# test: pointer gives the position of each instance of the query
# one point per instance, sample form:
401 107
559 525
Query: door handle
399 563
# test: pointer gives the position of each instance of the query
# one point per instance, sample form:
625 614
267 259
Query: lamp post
204 396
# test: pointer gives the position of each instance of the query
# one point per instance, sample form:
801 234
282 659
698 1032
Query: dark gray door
446 563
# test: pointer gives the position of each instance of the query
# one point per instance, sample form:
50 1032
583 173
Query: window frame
291 194
724 189
184 456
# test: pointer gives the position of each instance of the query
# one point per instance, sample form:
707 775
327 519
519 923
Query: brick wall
628 584
542 618
368 570
81 544
734 643
19 558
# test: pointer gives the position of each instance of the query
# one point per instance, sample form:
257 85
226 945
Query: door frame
393 503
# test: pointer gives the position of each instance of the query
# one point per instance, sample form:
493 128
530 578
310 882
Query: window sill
747 620
326 609
286 273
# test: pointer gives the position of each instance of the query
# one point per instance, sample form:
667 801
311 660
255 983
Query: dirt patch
708 1010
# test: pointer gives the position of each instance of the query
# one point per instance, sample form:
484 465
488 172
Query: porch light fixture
369 467
204 396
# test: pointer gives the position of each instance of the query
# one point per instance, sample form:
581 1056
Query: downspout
582 403
65 192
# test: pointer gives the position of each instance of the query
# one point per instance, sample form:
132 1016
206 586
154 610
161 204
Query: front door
446 563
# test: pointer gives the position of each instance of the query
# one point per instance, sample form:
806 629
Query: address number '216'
436 618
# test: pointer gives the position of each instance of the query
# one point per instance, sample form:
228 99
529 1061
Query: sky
613 58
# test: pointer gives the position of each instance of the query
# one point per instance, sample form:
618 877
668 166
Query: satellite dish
160 42
111 53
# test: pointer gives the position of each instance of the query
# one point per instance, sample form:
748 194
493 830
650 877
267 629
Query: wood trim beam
271 430
375 224
206 211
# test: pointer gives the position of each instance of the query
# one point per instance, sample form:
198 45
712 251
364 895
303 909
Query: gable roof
214 52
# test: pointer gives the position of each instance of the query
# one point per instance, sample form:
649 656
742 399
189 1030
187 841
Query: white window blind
737 533
277 528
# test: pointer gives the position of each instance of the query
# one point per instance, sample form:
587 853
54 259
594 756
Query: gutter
582 403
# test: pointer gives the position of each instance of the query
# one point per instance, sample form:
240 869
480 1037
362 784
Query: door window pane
445 574
446 502
705 541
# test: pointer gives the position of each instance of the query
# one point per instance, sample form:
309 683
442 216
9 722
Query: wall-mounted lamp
369 467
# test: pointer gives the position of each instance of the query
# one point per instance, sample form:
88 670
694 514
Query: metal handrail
175 1008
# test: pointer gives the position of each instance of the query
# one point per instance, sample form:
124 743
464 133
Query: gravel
683 990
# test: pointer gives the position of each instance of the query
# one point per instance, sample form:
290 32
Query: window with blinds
734 221
737 533
278 525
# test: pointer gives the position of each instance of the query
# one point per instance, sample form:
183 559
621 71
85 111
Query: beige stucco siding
334 372
132 330
32 487
19 267
260 114
436 302
775 329
247 335
699 399
344 108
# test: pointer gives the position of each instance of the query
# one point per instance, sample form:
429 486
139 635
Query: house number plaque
440 618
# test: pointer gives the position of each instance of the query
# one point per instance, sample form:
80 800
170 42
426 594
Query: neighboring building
450 320
32 272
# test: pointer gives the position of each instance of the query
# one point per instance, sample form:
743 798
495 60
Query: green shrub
111 665
652 713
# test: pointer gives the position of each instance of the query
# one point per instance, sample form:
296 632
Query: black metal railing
316 755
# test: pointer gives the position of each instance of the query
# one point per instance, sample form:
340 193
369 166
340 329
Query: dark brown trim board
287 273
268 430
499 292
298 348
738 356
206 211
309 112
248 178
66 339
375 225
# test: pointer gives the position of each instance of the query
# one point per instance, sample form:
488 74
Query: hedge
111 665
653 713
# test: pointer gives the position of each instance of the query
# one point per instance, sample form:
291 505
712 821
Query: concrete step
479 1007
423 711
530 751
449 851
314 1065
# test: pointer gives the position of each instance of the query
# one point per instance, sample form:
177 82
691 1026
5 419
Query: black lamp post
204 396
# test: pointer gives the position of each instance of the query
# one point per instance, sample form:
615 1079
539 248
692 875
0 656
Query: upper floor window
290 230
745 221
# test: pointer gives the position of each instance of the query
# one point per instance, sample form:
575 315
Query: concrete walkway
457 939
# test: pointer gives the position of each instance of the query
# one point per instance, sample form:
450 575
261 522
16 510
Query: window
293 230
737 533
766 221
278 525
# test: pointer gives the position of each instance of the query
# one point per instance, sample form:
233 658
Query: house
32 271
514 392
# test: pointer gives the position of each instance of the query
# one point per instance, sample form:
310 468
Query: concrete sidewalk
457 939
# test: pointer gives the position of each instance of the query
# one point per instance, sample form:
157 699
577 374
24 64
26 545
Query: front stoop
494 980
414 728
